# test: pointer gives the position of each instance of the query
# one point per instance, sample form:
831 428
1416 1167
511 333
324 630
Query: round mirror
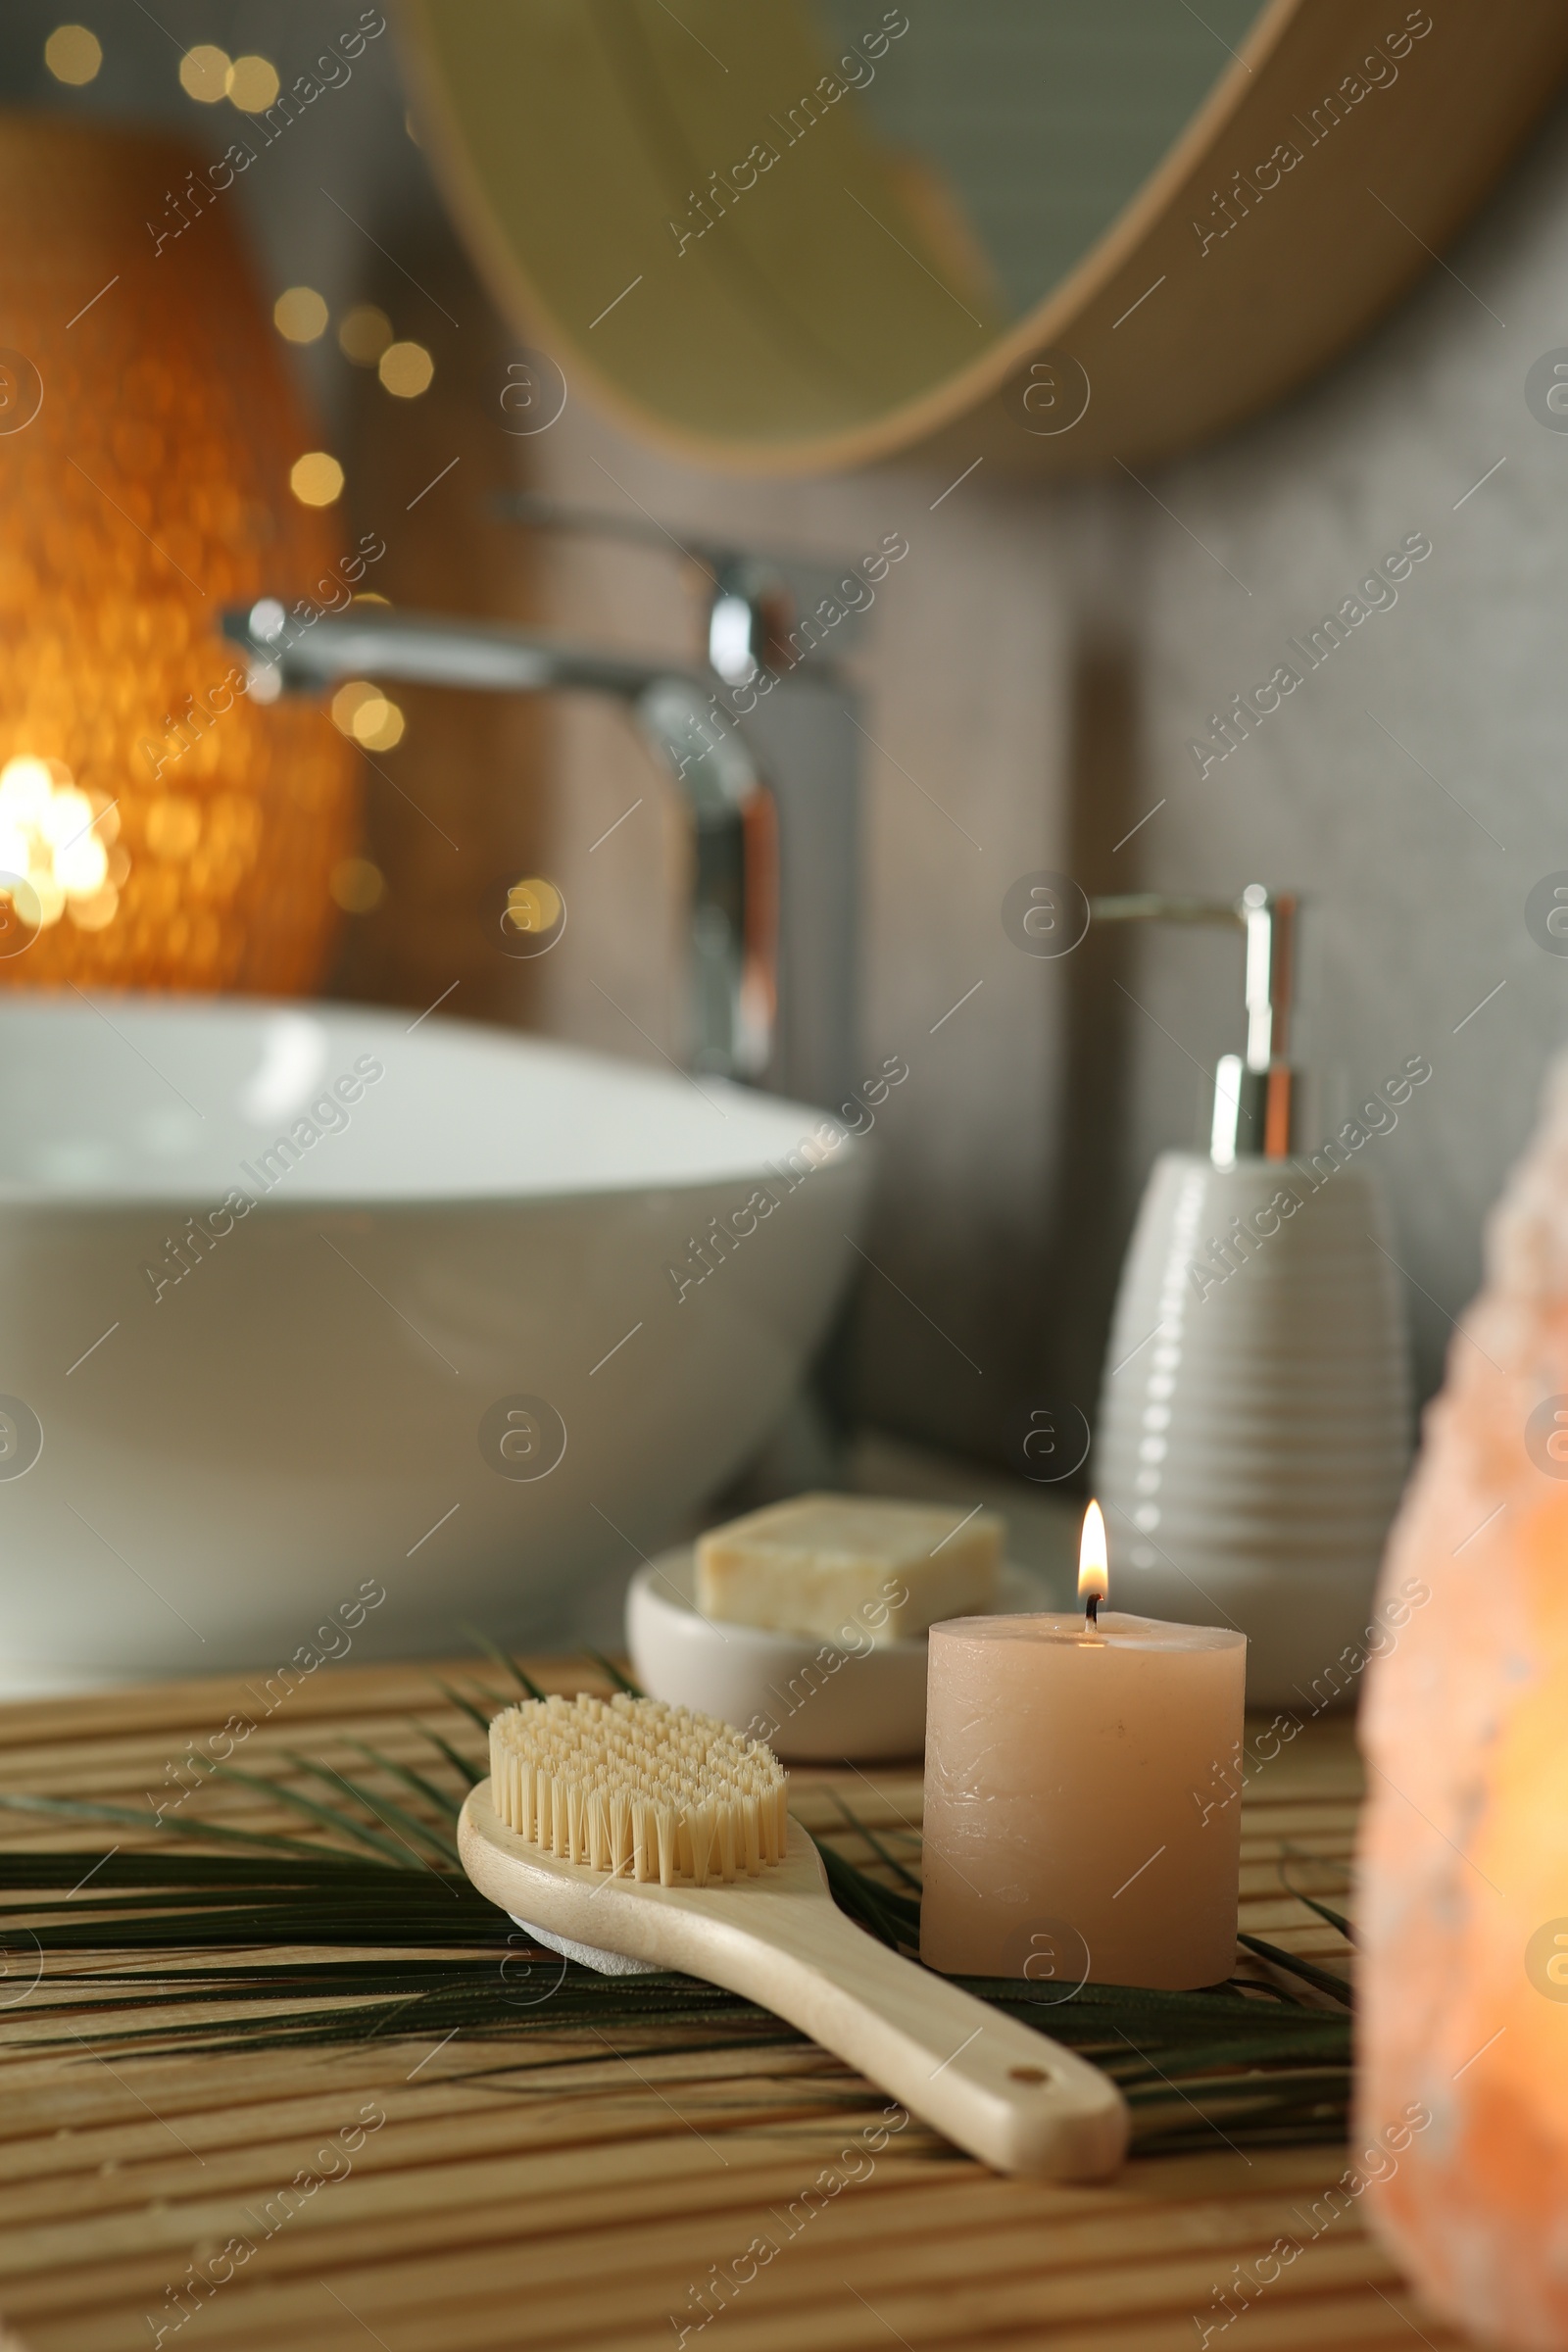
808 234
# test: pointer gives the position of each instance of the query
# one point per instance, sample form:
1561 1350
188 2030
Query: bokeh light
363 714
380 726
173 828
316 479
534 906
72 54
300 315
405 370
358 886
364 334
252 85
204 73
57 839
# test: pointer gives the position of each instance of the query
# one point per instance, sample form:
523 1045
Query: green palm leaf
387 1809
396 1941
470 1775
416 1782
331 1817
509 1665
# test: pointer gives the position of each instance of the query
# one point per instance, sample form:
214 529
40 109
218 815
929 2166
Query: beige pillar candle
1083 1800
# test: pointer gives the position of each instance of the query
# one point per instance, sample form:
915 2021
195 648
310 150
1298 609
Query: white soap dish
811 1700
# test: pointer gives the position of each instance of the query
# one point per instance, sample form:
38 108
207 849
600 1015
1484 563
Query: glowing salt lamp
158 826
1464 1853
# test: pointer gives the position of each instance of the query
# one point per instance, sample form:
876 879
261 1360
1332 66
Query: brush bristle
638 1788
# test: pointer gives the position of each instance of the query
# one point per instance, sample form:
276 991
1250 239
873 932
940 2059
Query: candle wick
1092 1611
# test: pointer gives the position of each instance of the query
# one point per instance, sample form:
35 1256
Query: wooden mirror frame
1304 198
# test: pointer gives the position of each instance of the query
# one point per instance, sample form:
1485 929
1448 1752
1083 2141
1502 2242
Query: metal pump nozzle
1254 1093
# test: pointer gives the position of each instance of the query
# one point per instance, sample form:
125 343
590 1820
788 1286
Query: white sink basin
443 1358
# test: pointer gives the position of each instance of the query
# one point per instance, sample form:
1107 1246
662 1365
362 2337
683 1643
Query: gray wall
1412 787
1416 785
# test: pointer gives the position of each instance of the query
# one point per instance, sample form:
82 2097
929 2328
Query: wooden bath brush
624 1832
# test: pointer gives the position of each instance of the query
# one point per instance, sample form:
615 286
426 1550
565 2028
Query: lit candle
1083 1795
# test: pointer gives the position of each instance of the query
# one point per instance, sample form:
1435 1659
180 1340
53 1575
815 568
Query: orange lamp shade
160 826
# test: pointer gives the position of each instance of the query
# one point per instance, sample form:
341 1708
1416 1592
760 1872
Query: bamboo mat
524 2206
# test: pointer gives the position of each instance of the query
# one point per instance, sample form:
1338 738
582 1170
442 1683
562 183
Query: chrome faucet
750 604
775 918
734 900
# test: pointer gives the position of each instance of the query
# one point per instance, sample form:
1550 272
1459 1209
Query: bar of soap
848 1569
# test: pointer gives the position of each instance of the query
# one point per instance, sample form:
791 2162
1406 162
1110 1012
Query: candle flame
1094 1578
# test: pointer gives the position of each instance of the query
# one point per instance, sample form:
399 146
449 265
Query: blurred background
1034 674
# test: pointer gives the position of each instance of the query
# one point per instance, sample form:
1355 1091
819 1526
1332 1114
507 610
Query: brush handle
1020 2102
1009 2095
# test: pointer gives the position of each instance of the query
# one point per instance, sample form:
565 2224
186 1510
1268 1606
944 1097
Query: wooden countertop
555 2206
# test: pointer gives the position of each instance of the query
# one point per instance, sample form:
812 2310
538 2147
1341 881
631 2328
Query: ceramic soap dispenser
1254 1416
